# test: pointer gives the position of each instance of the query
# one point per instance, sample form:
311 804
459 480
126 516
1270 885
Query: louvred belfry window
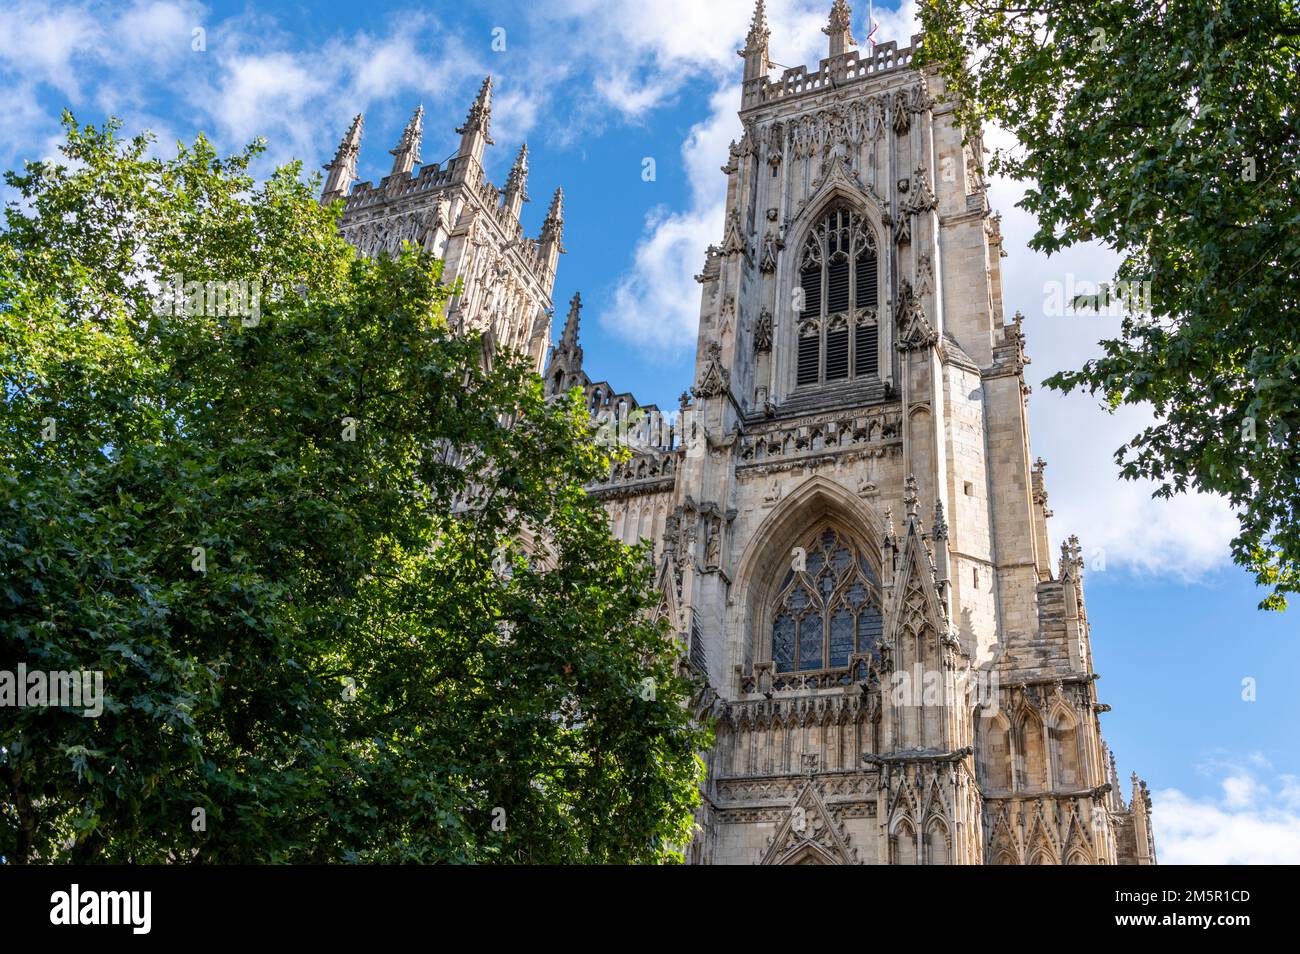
827 607
810 350
839 280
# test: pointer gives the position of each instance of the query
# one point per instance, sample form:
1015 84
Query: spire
480 114
755 56
552 229
564 366
840 28
343 170
570 337
516 191
758 31
554 224
407 153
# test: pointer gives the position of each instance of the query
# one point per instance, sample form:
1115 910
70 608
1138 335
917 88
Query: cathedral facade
849 527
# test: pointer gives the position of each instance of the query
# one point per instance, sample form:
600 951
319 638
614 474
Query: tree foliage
411 636
1167 131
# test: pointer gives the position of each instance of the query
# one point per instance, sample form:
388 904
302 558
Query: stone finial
343 169
909 496
940 529
758 31
516 190
480 113
517 181
1138 804
554 223
1071 558
407 153
840 28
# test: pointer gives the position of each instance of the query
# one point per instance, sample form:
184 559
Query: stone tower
850 528
455 213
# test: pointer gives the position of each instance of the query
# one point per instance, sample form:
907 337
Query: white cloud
158 30
1254 820
1123 527
657 302
39 43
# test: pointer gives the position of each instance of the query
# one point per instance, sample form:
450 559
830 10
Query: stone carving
811 834
770 246
734 240
712 265
763 332
716 379
713 544
914 330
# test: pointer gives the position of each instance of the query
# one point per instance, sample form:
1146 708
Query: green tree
1167 131
336 563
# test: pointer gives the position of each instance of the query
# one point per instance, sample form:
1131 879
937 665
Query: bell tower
851 538
454 212
857 552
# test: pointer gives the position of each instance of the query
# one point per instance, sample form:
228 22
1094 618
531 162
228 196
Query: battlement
835 72
430 178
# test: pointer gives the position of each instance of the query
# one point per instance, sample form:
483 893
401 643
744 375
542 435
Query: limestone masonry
849 528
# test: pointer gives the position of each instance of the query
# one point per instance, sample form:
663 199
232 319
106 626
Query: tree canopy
1168 132
335 563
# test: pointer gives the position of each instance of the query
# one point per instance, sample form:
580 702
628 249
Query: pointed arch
763 565
902 841
837 275
839 187
861 348
1003 844
1031 759
938 842
828 605
1077 849
808 854
1066 757
992 750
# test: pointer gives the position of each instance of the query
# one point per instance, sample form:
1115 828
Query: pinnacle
520 166
570 335
351 139
840 28
480 113
758 31
407 152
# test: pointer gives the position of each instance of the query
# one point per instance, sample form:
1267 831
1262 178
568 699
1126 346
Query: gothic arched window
838 334
827 608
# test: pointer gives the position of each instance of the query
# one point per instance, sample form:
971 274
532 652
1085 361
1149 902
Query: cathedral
849 528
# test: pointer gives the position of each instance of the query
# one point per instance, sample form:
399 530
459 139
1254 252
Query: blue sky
596 87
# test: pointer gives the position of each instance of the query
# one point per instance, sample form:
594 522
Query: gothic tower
455 213
850 529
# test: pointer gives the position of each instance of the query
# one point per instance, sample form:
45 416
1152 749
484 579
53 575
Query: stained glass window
827 608
810 641
783 643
